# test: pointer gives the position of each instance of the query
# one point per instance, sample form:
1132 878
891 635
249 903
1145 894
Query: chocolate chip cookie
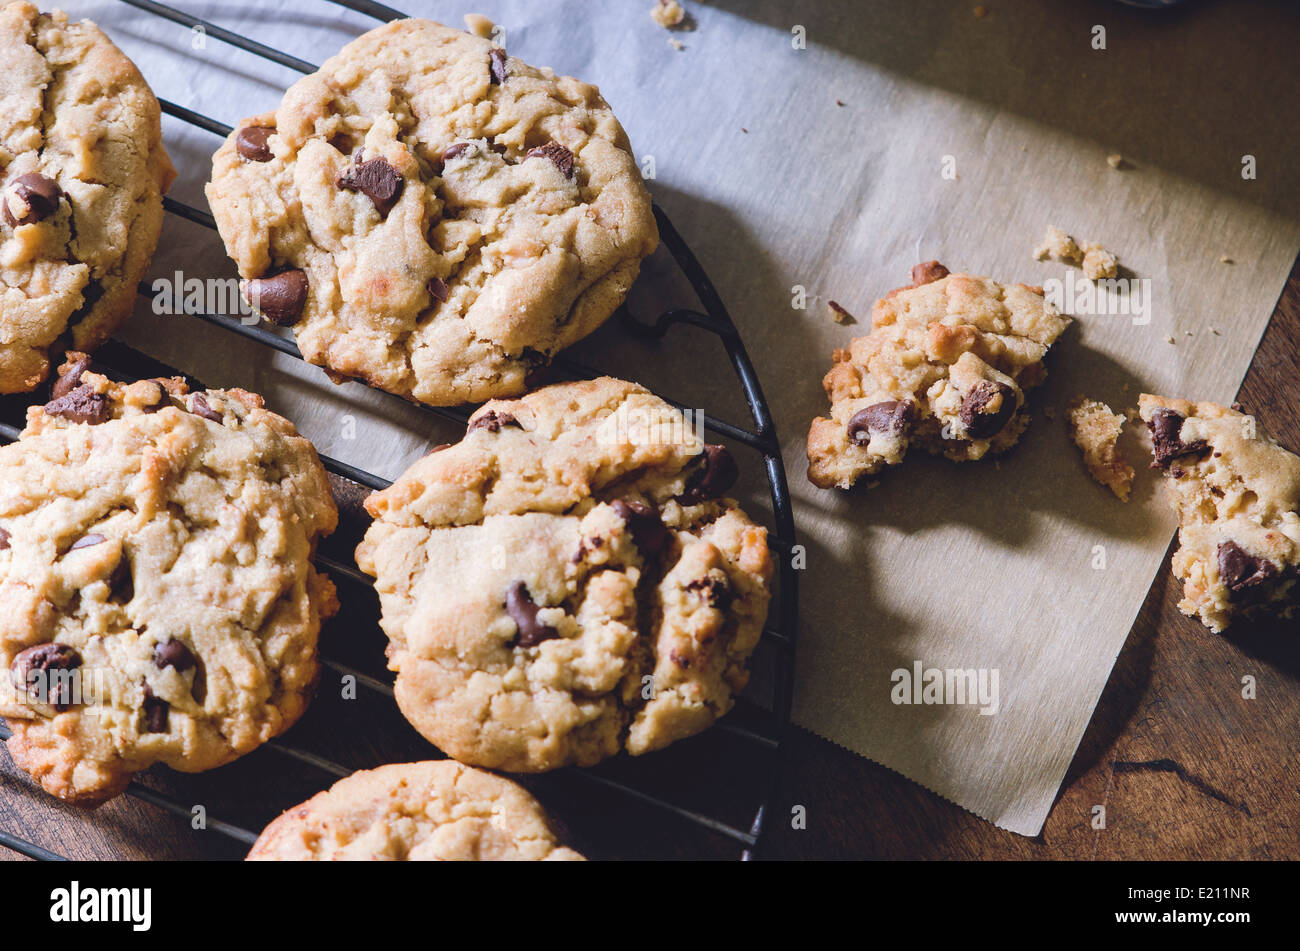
433 811
155 580
82 174
567 581
1237 494
433 216
945 367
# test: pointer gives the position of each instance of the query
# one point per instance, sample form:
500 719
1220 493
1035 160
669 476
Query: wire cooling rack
778 635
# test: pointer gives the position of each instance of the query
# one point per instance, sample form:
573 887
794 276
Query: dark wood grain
1184 766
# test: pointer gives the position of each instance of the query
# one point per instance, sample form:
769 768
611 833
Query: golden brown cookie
156 580
945 367
432 215
568 581
82 174
432 811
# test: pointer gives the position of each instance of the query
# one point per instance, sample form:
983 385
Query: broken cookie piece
946 367
1237 493
1095 430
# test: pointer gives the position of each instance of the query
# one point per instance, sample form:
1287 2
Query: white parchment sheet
898 132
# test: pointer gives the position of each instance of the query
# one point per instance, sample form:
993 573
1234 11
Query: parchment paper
776 184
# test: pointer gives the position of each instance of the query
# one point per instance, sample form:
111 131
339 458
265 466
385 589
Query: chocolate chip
70 378
91 295
717 593
280 297
1166 445
497 64
890 418
715 473
199 688
164 398
4 540
88 541
251 143
535 358
155 712
121 584
438 289
455 149
82 405
521 607
980 422
199 406
927 272
30 670
39 196
172 653
493 422
558 154
377 180
842 313
643 521
1239 569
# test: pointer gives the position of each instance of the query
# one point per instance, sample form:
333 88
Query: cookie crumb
1095 429
840 103
1226 260
1170 339
479 25
980 11
671 15
1096 261
1049 412
1189 333
1059 245
1215 331
839 314
675 43
1114 160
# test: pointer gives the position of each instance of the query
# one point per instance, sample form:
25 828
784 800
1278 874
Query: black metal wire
715 320
29 849
376 10
234 39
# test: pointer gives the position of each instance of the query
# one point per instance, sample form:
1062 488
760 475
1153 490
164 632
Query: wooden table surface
1184 766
